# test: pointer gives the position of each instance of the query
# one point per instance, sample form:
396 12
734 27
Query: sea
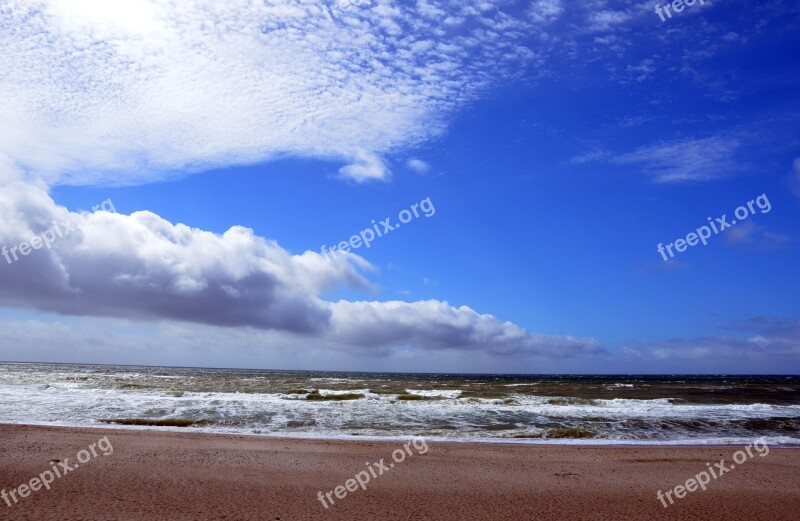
509 408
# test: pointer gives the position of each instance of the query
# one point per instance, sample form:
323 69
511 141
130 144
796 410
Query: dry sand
181 476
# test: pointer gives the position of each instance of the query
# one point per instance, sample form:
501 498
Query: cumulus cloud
142 267
142 88
438 325
366 167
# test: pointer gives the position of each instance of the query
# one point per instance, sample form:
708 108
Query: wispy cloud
643 70
726 348
607 19
589 157
769 344
122 93
419 166
795 177
543 11
696 159
752 235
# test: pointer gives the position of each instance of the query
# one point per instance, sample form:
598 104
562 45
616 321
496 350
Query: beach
146 474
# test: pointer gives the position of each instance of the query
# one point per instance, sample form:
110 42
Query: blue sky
559 143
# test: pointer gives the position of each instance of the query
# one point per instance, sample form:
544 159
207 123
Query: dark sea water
530 408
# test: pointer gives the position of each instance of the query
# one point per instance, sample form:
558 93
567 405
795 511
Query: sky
518 186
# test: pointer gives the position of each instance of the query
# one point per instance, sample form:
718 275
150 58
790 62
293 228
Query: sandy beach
165 475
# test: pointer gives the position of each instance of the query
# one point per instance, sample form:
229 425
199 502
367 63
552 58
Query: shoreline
171 475
536 442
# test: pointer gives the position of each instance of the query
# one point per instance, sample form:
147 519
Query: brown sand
182 476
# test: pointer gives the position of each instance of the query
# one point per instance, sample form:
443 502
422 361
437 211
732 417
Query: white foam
62 397
436 393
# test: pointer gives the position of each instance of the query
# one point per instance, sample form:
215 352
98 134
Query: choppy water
543 408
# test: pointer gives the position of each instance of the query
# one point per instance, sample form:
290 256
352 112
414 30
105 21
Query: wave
566 409
451 394
166 422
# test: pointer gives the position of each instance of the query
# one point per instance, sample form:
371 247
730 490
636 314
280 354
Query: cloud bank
145 268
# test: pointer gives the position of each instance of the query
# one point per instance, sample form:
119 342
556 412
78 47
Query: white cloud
99 91
437 325
589 157
366 167
795 179
716 349
542 11
699 159
607 19
644 69
417 165
752 235
762 344
141 267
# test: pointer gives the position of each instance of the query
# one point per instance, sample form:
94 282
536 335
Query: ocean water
511 408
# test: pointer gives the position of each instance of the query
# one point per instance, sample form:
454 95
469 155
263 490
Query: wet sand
154 475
